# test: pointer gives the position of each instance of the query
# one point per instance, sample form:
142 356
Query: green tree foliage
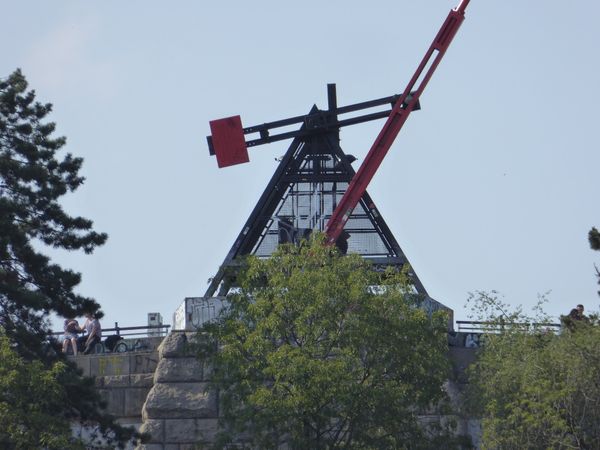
32 180
535 389
320 351
594 238
29 393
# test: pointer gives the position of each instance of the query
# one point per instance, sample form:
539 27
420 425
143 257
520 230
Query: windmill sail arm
400 112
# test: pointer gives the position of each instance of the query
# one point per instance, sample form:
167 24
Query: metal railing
472 326
128 339
141 331
150 330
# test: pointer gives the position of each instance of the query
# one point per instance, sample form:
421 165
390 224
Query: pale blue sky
493 185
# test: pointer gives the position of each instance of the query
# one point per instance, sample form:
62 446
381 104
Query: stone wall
163 392
179 411
123 380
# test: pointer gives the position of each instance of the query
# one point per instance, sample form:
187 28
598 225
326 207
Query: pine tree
33 178
594 238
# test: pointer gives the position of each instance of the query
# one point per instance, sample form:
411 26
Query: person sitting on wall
71 328
94 332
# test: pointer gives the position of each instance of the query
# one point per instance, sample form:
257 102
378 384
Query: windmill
315 186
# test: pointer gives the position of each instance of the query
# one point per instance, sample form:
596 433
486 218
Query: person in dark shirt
574 318
94 332
577 313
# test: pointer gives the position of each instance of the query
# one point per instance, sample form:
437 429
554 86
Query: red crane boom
402 109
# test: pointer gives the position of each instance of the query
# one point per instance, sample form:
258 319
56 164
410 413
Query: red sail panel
228 141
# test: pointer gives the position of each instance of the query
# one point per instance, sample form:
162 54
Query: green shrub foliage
536 389
318 350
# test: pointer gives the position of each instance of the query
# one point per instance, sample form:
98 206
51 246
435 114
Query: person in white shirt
94 332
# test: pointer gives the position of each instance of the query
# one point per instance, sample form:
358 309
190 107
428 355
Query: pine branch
594 238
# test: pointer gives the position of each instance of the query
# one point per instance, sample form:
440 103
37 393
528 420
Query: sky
493 185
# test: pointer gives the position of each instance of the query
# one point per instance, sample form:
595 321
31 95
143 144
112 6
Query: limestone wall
179 412
163 392
123 380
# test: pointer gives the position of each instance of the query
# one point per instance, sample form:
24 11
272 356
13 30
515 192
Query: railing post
117 328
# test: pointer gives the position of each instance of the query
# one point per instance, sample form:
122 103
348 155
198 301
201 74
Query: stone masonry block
143 362
155 428
115 401
115 364
191 447
83 362
134 401
178 431
207 371
113 381
190 431
178 370
180 400
173 346
150 447
207 429
141 380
